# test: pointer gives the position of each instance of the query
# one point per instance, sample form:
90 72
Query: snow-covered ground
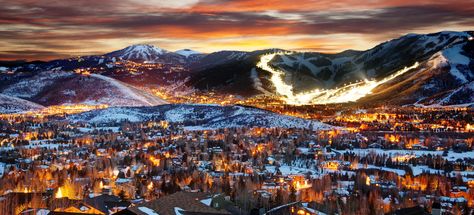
453 58
201 117
88 130
452 156
122 94
2 169
32 86
147 211
292 170
10 104
386 169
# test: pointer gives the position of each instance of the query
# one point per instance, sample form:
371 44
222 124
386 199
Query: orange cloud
41 30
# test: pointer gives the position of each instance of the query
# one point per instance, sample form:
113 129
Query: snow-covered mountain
9 104
444 76
450 52
141 52
187 52
200 117
152 54
59 87
332 70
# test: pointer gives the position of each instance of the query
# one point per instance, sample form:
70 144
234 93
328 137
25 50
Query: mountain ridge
236 73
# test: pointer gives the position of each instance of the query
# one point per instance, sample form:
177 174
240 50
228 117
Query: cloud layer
47 29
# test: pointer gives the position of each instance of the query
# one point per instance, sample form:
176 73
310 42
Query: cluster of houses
51 166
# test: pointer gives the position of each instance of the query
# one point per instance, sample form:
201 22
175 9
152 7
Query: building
180 203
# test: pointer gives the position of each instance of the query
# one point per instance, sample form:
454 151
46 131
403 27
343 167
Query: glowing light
150 186
367 181
470 127
392 138
59 194
155 161
403 158
348 93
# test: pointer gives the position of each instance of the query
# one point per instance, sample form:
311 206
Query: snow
2 169
386 169
201 117
186 52
69 92
88 130
207 201
178 211
452 199
454 58
33 144
148 211
236 55
257 84
133 97
420 169
42 212
279 207
122 180
178 115
142 52
447 99
30 87
291 170
314 211
94 90
423 169
10 104
452 156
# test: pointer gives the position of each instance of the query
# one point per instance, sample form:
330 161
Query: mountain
59 87
439 71
445 77
9 104
200 117
140 52
145 53
231 72
187 52
430 83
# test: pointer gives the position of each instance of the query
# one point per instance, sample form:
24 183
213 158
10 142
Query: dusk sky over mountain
44 30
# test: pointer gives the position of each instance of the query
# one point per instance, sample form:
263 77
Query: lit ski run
347 93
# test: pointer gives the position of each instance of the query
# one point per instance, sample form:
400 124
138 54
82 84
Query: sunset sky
48 29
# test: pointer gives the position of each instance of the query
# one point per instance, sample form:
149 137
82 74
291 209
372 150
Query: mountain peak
140 52
144 46
187 52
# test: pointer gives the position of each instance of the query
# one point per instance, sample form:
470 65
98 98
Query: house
107 204
77 209
294 208
180 203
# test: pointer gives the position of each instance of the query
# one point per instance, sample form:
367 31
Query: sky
51 29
